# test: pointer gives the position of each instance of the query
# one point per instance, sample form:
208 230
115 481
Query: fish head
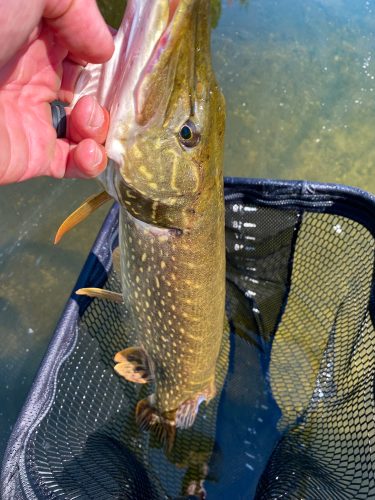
168 113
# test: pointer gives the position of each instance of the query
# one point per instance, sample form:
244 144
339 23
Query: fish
165 145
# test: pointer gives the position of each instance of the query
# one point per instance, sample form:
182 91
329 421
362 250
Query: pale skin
43 46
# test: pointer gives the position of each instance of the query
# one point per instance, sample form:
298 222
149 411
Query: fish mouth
158 38
155 82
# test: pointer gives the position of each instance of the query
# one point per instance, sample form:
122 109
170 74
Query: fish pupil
186 133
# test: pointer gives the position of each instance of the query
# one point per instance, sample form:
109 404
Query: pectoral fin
100 293
133 365
87 208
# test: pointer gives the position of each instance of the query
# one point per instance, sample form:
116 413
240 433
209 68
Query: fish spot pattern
179 326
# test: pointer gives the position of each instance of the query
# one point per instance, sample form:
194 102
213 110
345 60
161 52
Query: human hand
50 41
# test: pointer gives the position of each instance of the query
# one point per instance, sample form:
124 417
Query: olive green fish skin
175 288
172 218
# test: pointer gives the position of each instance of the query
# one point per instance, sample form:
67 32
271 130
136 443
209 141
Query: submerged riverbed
299 80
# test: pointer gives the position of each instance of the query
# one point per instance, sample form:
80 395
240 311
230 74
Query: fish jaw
145 43
116 83
141 29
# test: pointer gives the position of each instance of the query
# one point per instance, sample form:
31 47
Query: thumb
79 26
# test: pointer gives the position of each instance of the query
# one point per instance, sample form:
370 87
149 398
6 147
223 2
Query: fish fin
116 260
81 213
196 489
100 293
186 413
188 410
163 427
132 364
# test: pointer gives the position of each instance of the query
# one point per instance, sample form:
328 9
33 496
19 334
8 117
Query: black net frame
297 407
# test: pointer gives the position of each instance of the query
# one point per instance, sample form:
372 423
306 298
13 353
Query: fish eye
188 134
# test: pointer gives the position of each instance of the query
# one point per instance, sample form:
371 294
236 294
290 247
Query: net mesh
326 363
295 416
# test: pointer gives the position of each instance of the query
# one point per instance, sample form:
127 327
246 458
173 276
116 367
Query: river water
299 80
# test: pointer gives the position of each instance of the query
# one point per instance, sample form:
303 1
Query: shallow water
299 80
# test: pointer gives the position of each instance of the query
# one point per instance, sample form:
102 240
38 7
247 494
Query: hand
51 39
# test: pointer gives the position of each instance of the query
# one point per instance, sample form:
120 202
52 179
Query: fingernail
98 157
96 119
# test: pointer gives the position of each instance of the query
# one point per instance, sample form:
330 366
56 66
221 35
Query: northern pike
165 144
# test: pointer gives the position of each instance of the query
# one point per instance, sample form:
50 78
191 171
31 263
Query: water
299 79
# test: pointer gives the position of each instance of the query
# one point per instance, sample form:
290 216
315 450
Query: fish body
165 143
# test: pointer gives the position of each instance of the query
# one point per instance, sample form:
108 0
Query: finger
19 26
83 161
88 120
77 60
79 25
70 74
88 159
